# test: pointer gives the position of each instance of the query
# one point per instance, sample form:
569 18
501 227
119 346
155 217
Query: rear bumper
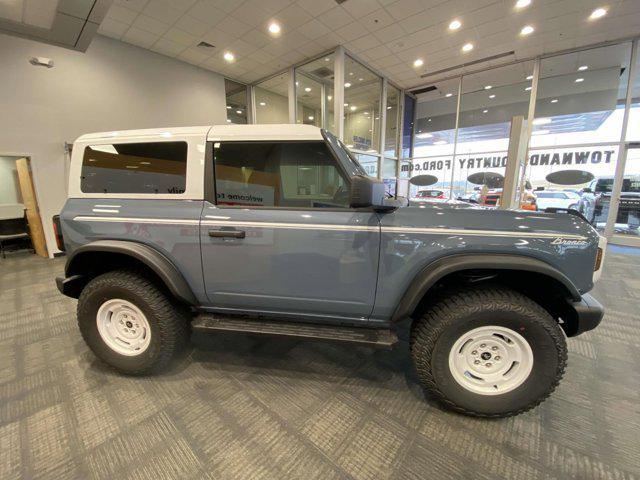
71 286
589 313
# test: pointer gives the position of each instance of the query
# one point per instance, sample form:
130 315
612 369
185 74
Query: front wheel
488 352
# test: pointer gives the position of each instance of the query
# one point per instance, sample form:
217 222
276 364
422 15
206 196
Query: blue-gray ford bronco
277 230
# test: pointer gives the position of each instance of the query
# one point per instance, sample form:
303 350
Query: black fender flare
429 275
149 256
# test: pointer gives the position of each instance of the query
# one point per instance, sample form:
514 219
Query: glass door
623 197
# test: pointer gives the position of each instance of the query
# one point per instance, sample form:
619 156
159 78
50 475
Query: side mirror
369 192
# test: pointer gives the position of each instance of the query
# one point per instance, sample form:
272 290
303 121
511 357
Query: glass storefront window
633 130
407 126
272 99
236 99
392 117
434 137
574 142
369 163
314 93
362 94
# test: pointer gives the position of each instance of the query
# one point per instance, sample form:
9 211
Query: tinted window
276 174
155 167
551 195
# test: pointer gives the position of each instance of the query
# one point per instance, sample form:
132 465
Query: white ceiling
36 13
388 34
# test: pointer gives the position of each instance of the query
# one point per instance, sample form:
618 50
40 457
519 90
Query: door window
278 174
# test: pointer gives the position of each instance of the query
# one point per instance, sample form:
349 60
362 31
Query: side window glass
153 167
278 174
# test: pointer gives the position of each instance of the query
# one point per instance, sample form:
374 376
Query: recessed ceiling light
365 113
527 89
346 104
488 87
598 13
428 120
526 30
582 68
228 107
555 100
485 111
449 95
310 117
353 108
329 97
326 59
239 112
229 57
424 135
455 24
579 80
418 62
351 74
467 47
307 89
297 84
492 96
389 108
262 104
347 85
541 121
523 3
274 28
529 77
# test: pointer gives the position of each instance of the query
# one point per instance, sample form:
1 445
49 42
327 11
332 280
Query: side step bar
369 336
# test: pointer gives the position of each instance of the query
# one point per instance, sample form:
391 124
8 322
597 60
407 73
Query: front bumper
589 313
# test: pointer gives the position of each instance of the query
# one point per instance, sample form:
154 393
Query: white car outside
555 199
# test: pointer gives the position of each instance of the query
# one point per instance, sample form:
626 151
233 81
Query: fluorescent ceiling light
228 107
329 97
526 30
541 121
467 47
353 108
228 120
492 96
347 85
598 13
485 111
529 77
310 117
579 80
449 95
418 62
523 3
274 28
582 68
262 104
488 87
424 135
229 57
307 89
239 112
555 100
455 25
527 89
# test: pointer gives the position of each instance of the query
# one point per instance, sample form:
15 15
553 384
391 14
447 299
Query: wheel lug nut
488 364
482 345
477 362
475 352
494 348
497 358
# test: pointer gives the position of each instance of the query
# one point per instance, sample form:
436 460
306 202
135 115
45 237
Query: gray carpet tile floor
235 406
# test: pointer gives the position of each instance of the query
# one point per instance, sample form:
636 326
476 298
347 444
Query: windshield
629 185
342 150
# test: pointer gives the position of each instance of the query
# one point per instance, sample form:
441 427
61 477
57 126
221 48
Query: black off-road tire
451 316
168 321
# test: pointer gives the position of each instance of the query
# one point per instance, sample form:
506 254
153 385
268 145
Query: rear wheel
130 323
489 352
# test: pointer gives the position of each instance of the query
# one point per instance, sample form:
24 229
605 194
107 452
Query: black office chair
13 229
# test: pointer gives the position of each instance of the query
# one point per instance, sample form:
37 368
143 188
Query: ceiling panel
390 34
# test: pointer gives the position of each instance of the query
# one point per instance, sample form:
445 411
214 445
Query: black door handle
227 233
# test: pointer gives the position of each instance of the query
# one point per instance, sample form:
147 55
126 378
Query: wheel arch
101 256
446 267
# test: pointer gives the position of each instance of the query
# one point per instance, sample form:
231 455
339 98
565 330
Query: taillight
58 233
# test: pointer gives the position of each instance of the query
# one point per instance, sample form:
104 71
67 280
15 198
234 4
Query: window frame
211 194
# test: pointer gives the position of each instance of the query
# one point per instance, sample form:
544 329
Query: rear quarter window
137 168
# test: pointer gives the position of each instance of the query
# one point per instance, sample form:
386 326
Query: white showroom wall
113 86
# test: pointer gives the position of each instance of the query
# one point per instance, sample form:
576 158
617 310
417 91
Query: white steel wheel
123 327
491 360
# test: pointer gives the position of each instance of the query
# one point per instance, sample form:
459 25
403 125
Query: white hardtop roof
218 132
